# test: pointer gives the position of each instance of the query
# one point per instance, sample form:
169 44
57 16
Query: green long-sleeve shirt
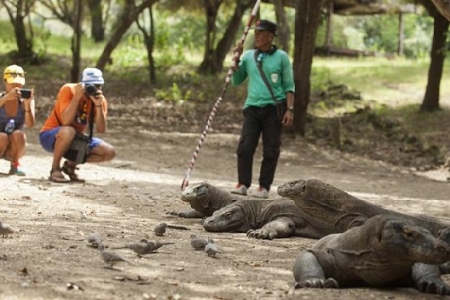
278 70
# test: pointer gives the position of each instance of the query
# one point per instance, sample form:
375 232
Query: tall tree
149 40
284 34
437 54
127 15
76 40
214 55
211 10
17 11
97 24
307 17
61 10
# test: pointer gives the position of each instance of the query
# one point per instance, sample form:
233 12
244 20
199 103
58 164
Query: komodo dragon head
230 218
197 192
412 242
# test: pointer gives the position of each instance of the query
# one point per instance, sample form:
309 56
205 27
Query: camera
91 90
25 93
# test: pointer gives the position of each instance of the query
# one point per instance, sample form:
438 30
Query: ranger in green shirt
269 106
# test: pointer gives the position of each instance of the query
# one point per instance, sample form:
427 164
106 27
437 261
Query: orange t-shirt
81 120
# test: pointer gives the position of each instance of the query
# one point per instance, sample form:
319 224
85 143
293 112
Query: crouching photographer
79 106
16 113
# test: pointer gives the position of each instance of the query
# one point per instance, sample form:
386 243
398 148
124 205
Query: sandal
57 176
70 171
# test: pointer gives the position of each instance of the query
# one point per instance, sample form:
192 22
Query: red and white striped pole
201 140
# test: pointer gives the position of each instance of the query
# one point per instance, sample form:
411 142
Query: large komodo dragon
204 199
331 205
267 219
384 251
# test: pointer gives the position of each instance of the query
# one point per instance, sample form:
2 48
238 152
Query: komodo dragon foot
261 234
317 283
427 279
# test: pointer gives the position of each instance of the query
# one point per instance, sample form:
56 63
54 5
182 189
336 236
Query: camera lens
91 90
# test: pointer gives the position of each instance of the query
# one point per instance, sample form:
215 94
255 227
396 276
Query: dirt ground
48 257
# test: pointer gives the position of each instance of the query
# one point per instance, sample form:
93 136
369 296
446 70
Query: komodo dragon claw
433 288
261 234
320 283
428 280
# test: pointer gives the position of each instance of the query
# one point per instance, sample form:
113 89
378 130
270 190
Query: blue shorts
47 139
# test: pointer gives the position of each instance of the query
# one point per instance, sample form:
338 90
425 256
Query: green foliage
320 78
379 33
173 93
7 40
380 82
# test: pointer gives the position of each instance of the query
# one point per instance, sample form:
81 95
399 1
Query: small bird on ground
5 229
160 229
211 248
198 243
94 239
110 257
144 247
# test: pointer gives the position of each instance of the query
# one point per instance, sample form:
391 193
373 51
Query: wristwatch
291 108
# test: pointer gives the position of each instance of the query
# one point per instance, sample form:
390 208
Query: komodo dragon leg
279 228
284 227
308 273
427 278
191 214
444 235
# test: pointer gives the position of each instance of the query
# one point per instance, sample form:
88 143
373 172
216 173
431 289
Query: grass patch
393 82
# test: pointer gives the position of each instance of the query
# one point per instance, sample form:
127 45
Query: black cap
266 25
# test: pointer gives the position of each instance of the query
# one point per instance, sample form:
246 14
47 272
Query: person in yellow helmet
17 110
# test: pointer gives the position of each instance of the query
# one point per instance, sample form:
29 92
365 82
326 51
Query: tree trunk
401 29
283 32
17 13
97 25
437 54
76 41
229 37
209 57
307 17
329 32
149 40
129 13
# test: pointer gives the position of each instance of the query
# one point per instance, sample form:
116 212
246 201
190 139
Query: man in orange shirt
71 115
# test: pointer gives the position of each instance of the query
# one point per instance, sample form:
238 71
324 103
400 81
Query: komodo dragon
329 204
384 251
204 199
267 219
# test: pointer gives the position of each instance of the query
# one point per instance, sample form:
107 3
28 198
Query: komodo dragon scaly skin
384 251
329 204
267 219
204 199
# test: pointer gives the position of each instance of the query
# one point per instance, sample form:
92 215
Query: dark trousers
257 121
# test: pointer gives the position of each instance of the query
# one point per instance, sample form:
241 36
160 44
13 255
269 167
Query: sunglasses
16 74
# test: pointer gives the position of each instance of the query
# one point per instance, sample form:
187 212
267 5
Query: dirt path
48 257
